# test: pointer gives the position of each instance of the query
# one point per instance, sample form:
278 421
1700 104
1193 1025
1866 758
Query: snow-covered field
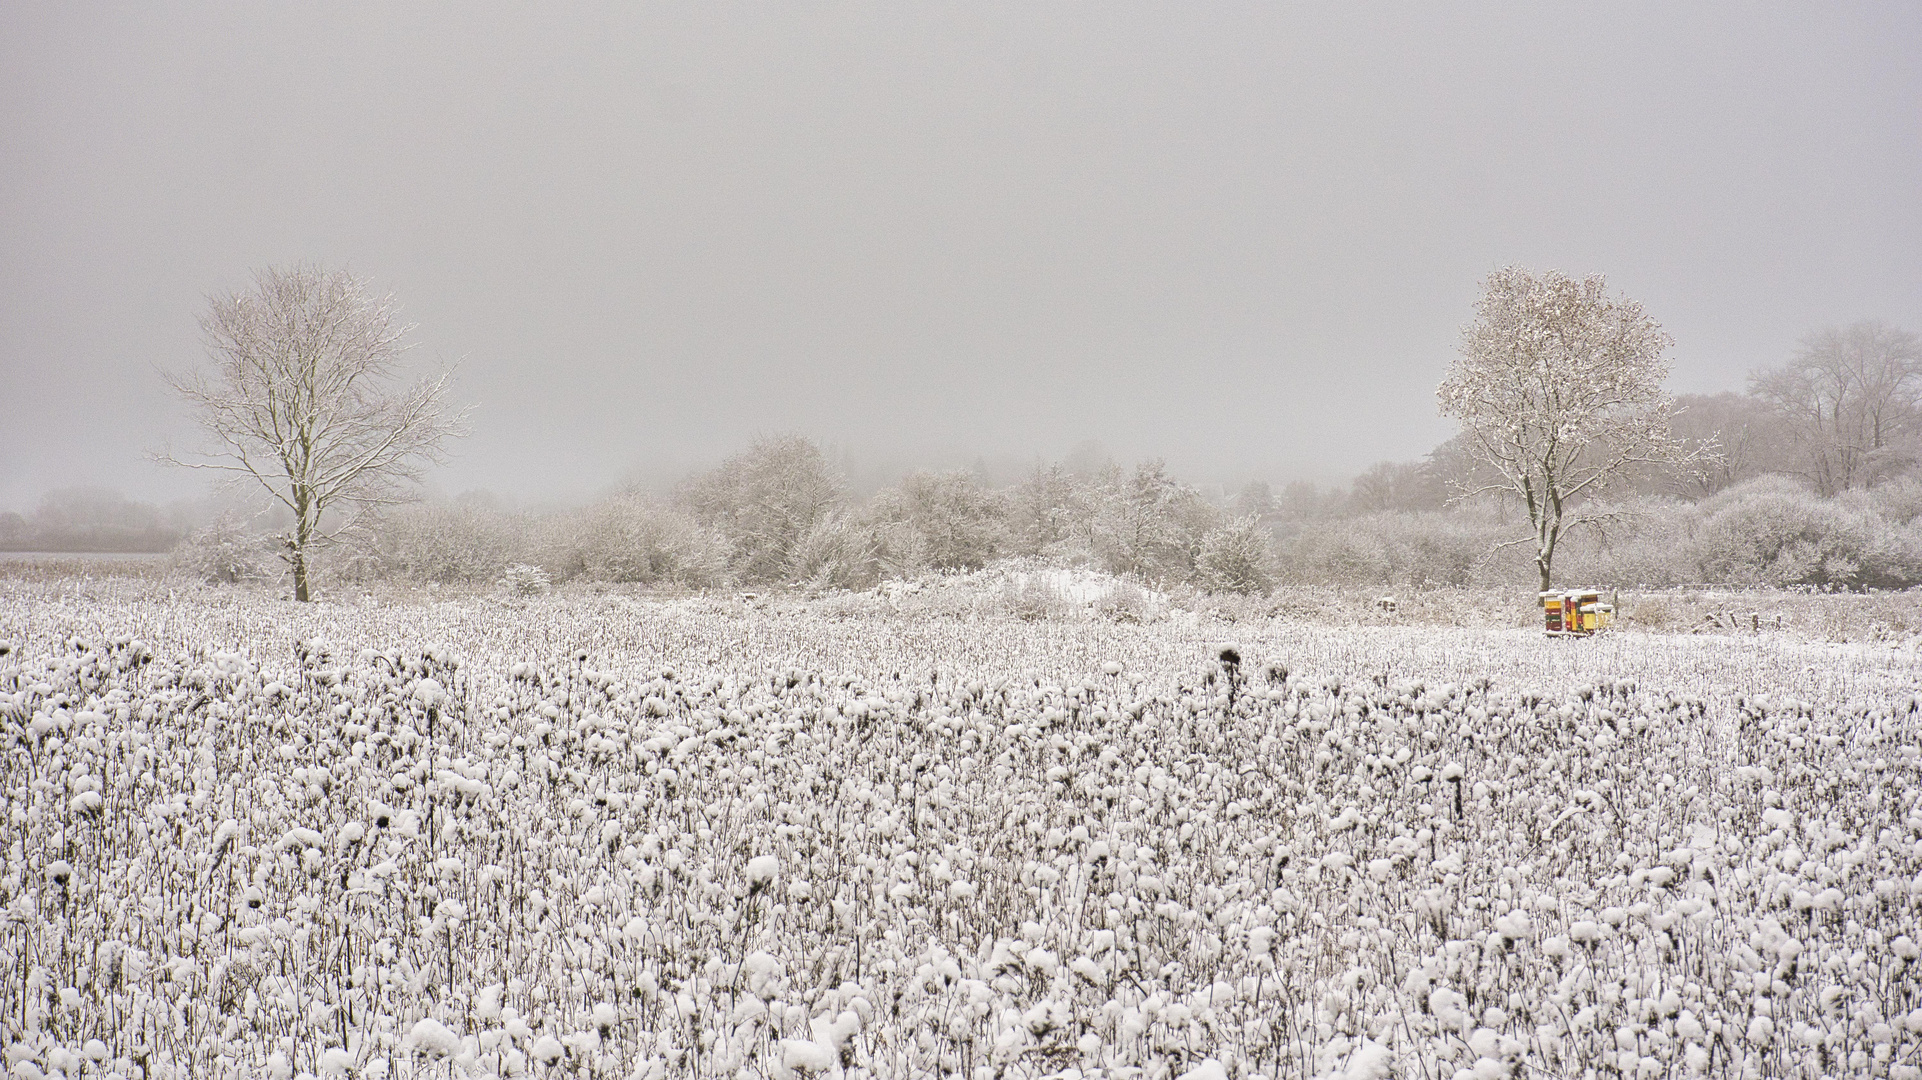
603 836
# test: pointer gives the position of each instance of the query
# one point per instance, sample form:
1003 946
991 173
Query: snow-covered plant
613 837
227 552
1236 557
523 579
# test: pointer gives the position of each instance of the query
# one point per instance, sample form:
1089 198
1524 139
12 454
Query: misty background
1239 239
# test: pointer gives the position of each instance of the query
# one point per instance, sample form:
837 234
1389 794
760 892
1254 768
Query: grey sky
1244 238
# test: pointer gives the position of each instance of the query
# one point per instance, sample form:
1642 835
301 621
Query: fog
1240 238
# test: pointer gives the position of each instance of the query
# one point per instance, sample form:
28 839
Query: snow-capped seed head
433 1038
487 1003
1452 772
805 1057
762 870
335 1061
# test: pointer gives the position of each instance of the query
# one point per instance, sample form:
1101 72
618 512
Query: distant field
81 561
913 835
1887 618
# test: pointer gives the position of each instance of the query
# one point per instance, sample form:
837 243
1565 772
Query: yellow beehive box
1574 612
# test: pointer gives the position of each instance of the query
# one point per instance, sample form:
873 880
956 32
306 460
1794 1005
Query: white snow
761 869
430 1036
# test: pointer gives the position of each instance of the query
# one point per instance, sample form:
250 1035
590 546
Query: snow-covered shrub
1125 601
842 551
227 552
1236 557
1335 552
1773 531
1456 547
1149 526
955 522
1033 596
1898 501
525 579
628 538
761 502
449 543
1640 542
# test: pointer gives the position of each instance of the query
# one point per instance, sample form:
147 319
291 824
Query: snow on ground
608 836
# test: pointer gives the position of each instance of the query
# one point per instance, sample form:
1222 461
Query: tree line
1557 386
94 519
778 514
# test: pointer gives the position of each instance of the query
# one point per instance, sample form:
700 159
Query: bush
1647 542
1236 557
762 502
1899 501
837 552
1126 602
1034 596
1151 527
1458 547
631 539
1772 531
449 543
956 523
522 579
227 552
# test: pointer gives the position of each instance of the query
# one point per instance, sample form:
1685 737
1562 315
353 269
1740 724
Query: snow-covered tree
302 398
764 500
959 524
1151 525
1559 390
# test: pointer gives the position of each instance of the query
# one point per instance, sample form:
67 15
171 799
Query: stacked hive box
1575 612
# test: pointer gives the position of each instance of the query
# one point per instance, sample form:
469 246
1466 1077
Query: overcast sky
1243 238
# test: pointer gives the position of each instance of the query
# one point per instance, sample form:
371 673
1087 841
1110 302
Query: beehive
1575 612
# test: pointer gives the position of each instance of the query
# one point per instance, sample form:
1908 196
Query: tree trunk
1545 553
300 572
1549 532
303 532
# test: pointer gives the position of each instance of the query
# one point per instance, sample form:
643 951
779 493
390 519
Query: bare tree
1558 390
1749 435
303 398
1853 401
